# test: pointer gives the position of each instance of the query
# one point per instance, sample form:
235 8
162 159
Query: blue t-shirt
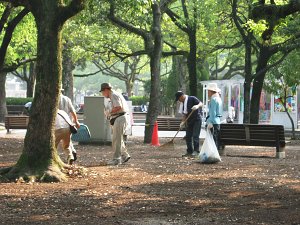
215 110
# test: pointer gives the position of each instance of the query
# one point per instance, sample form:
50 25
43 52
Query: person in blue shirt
214 112
190 105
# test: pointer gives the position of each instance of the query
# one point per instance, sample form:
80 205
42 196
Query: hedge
17 101
139 100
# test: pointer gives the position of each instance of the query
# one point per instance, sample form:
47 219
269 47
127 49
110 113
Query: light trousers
118 131
64 135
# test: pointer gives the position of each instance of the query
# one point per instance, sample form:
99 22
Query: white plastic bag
209 152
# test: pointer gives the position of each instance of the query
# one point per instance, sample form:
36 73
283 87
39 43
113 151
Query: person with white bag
209 151
214 112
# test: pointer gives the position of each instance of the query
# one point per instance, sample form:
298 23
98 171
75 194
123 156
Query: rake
171 143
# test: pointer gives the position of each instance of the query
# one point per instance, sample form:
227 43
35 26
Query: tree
153 48
39 158
276 17
188 24
7 27
259 25
282 81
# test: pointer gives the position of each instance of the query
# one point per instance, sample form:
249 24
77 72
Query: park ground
158 186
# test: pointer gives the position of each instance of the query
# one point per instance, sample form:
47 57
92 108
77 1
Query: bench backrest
16 122
168 123
252 134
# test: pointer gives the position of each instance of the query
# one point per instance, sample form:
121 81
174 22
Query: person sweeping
190 105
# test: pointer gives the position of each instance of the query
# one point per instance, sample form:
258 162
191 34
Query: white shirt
60 122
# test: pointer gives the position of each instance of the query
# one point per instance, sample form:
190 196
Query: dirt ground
158 186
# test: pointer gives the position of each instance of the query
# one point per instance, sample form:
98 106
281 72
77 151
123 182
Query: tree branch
121 23
15 66
8 34
174 17
71 10
5 16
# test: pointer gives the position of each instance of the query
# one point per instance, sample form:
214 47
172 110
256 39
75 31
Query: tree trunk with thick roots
39 159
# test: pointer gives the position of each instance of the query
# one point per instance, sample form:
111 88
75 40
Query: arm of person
75 119
199 105
115 109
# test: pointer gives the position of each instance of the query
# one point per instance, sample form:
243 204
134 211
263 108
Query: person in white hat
214 111
119 122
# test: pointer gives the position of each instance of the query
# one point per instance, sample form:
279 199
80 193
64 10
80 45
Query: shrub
17 101
139 100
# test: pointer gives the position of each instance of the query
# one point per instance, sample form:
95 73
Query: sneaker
114 162
125 159
74 155
195 153
188 155
70 159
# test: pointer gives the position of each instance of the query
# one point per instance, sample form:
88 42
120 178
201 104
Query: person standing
190 107
65 104
214 112
119 122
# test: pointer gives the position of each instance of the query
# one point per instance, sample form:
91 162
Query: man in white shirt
119 121
62 131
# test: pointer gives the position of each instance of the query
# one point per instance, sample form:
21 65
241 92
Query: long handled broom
171 143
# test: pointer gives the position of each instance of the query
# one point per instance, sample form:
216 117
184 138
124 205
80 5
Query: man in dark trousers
190 105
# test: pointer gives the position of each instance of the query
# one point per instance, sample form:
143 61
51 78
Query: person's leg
66 145
117 138
216 134
74 153
196 134
118 145
188 138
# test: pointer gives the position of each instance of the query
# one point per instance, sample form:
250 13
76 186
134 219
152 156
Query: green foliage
24 41
17 101
284 76
139 100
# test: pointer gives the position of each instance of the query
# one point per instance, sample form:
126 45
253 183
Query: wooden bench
168 123
16 122
253 135
15 109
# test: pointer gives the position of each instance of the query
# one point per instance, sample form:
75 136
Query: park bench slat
168 123
16 122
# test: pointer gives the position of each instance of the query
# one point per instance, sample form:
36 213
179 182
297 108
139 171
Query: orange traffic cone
155 140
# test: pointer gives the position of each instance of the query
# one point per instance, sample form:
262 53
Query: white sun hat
213 87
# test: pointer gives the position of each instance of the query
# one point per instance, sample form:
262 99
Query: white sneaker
70 159
195 153
114 162
125 158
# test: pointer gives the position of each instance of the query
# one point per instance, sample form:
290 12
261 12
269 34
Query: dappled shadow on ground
158 186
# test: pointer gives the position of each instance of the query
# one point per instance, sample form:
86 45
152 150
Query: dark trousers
192 136
216 134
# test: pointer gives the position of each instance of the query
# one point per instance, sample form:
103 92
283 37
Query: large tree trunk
155 57
248 79
67 77
191 61
264 56
39 159
128 85
31 80
39 153
3 109
179 69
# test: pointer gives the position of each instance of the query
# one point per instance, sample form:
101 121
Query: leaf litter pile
158 186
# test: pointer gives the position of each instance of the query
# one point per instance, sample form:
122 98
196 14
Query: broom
171 143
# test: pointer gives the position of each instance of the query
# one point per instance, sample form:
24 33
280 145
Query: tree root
52 174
